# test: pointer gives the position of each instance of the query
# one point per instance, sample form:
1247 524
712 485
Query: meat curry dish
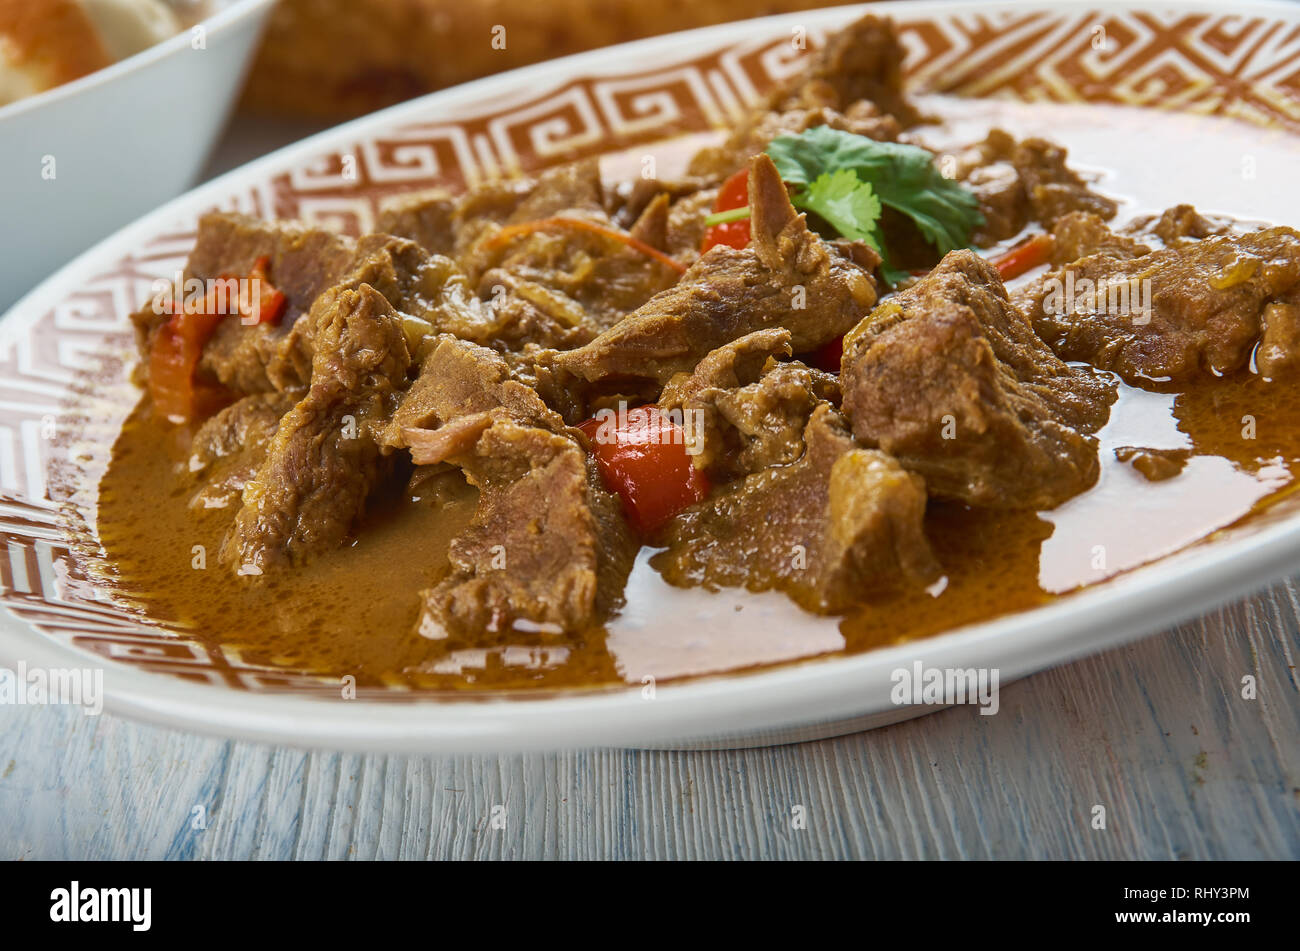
825 362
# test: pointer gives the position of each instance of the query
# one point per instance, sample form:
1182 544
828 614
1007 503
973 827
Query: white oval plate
61 350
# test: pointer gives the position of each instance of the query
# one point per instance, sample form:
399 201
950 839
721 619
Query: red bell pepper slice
1024 257
733 194
178 344
642 457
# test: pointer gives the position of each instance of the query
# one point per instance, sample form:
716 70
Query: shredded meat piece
687 202
303 262
1179 225
424 217
554 286
547 545
458 379
686 226
324 460
787 277
423 288
750 410
564 285
1081 233
853 83
1278 356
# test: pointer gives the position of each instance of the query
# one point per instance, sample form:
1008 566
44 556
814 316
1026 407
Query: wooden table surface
1157 732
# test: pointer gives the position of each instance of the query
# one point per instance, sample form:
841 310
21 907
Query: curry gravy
354 610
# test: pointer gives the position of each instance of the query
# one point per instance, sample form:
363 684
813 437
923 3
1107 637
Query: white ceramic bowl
120 141
1231 59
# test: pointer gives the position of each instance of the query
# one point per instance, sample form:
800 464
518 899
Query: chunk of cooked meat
686 227
547 546
444 223
1017 182
788 278
426 289
1180 225
324 459
829 529
853 83
811 107
862 62
627 201
487 203
583 279
303 261
551 285
458 379
425 217
1154 465
1278 356
949 377
1177 313
1081 233
748 410
229 447
730 366
572 187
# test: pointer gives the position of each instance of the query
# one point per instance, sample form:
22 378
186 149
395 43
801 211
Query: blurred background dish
340 58
107 109
46 43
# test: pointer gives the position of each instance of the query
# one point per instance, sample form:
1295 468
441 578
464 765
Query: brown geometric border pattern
62 373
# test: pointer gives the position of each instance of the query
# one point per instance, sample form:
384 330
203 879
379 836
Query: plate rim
740 704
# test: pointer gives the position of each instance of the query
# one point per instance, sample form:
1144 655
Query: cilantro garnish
848 179
846 202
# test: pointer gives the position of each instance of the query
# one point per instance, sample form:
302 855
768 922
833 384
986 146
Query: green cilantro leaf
846 202
903 177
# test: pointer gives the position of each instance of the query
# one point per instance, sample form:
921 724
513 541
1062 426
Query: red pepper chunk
173 359
1024 257
733 194
179 343
271 302
642 458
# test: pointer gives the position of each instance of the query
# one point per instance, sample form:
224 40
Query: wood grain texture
1157 732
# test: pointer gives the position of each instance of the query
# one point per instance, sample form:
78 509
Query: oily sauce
354 610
